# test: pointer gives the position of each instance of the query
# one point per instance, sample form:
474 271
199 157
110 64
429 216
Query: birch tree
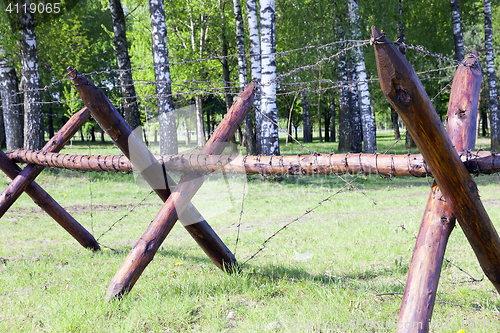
131 109
11 103
269 122
344 116
457 30
367 120
33 116
255 59
492 81
166 113
242 75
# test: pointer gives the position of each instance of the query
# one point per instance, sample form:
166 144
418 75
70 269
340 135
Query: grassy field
339 268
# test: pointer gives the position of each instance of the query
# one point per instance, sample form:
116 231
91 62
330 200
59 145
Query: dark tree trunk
33 114
457 30
248 128
2 131
332 123
306 120
492 80
50 122
131 109
484 122
395 123
409 143
11 103
166 113
92 133
354 112
327 126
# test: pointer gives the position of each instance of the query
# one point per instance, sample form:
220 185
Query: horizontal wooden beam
410 165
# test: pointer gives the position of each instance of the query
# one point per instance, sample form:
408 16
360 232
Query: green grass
48 283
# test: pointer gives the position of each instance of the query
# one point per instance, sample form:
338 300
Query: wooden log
409 165
406 94
31 171
49 205
115 126
438 221
144 250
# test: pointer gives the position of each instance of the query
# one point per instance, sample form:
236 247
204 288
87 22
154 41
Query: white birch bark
457 30
367 120
33 116
254 39
166 113
492 81
11 103
344 118
131 109
269 123
200 125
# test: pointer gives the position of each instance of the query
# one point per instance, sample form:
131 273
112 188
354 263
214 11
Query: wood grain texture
438 221
144 250
409 165
115 126
406 94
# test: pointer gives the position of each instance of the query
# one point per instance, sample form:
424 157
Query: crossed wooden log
453 196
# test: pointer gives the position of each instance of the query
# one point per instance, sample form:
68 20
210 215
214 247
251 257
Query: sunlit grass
359 250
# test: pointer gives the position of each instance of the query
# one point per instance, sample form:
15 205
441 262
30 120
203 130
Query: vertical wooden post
55 144
438 221
405 92
115 126
144 250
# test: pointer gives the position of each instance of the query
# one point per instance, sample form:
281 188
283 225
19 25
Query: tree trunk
254 39
248 129
354 113
50 122
367 121
327 125
395 123
457 30
409 142
269 123
344 118
33 116
166 113
332 121
492 80
131 109
306 120
200 126
11 104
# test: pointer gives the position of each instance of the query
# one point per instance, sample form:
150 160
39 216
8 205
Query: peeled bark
492 80
33 116
130 106
254 42
405 92
306 120
367 120
269 124
166 113
457 30
11 103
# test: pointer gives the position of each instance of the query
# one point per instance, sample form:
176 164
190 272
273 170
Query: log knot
402 95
